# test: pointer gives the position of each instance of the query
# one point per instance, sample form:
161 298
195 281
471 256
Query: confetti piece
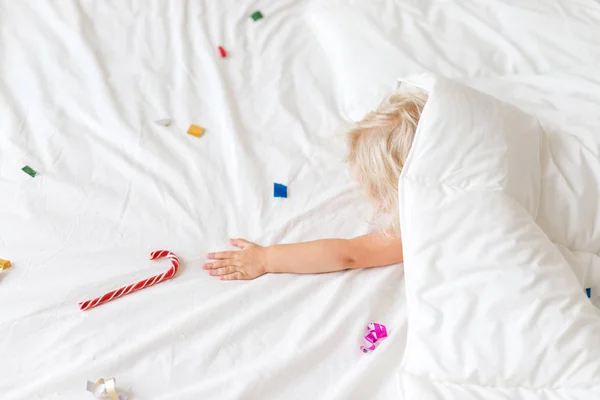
29 171
103 389
222 51
125 290
588 291
195 130
279 190
4 264
377 332
163 122
256 15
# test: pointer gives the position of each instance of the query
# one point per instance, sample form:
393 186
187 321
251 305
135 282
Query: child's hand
248 263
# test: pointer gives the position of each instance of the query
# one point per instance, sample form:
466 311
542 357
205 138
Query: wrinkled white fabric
372 43
82 83
494 308
81 86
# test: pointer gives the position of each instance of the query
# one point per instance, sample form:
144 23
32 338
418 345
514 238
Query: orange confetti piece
4 264
195 130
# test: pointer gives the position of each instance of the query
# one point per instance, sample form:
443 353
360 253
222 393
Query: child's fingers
240 243
212 265
221 264
221 255
230 269
232 277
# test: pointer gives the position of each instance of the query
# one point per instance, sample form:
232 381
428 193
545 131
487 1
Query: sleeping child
378 146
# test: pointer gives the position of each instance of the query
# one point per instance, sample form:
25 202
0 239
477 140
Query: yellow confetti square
4 264
195 130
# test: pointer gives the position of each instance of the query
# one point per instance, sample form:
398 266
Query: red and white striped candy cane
86 305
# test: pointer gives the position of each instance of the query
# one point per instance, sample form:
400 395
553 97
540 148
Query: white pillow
494 310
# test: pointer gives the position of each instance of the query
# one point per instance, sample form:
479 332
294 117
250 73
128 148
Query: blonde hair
378 146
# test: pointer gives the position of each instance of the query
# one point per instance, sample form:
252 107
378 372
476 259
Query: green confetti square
29 171
257 15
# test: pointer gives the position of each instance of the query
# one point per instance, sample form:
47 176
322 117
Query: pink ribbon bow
377 332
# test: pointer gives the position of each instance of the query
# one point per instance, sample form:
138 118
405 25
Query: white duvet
495 310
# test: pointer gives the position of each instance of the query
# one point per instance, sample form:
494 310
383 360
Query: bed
81 86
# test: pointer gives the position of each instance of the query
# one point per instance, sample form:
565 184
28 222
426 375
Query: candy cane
86 305
377 332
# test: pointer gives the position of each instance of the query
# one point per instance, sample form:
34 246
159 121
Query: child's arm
328 255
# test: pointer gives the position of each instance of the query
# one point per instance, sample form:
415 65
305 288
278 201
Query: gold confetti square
195 130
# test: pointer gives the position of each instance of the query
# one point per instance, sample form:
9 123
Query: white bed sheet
81 83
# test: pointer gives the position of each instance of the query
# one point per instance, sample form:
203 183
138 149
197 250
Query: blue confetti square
279 190
588 291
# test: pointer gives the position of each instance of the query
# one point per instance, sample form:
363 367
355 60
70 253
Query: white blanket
494 309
